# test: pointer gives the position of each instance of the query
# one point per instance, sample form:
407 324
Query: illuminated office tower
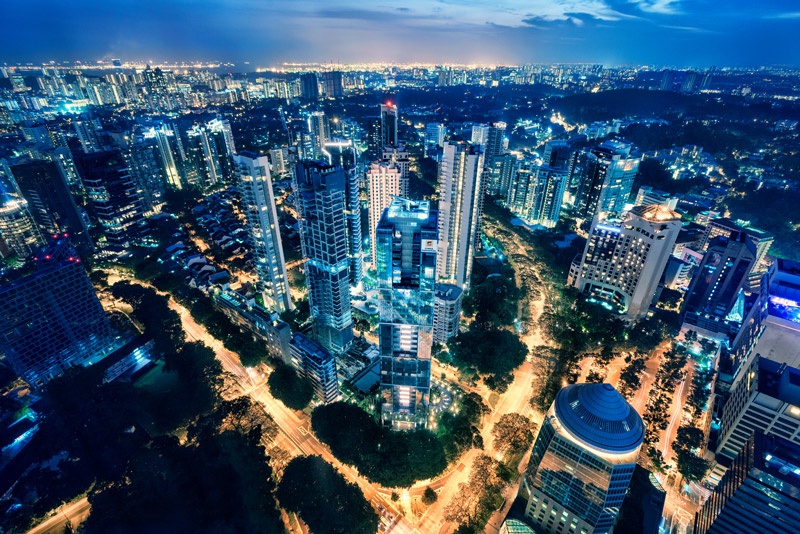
321 201
319 129
406 274
279 158
389 118
582 461
51 319
258 203
624 259
606 179
398 155
202 166
115 202
50 202
19 234
760 492
460 211
710 303
342 153
384 183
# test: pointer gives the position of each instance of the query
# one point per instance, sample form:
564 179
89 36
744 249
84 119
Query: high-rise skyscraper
434 137
760 492
333 84
446 312
624 259
460 211
53 208
258 202
321 202
389 119
717 283
309 86
51 319
406 273
606 180
582 461
114 199
384 183
319 129
19 233
536 193
342 153
398 155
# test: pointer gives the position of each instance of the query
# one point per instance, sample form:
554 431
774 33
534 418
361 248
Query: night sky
694 33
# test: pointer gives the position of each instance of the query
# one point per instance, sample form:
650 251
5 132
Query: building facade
384 182
759 493
624 258
460 211
406 273
582 461
258 202
321 195
318 365
50 317
446 312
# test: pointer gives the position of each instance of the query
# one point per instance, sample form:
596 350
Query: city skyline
475 32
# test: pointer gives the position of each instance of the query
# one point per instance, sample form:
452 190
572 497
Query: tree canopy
291 389
322 498
393 459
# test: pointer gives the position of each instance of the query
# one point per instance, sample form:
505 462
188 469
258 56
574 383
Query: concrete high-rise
582 461
446 312
716 285
460 211
321 192
318 365
384 183
624 259
258 203
406 273
51 319
398 156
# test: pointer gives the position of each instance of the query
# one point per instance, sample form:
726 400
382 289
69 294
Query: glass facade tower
321 203
406 271
582 461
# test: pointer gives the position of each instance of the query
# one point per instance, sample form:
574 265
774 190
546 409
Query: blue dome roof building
583 460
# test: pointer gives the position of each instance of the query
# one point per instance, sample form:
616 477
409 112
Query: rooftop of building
780 341
656 213
311 347
598 416
447 292
778 457
515 526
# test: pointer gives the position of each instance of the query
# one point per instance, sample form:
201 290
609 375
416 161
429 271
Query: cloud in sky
677 32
